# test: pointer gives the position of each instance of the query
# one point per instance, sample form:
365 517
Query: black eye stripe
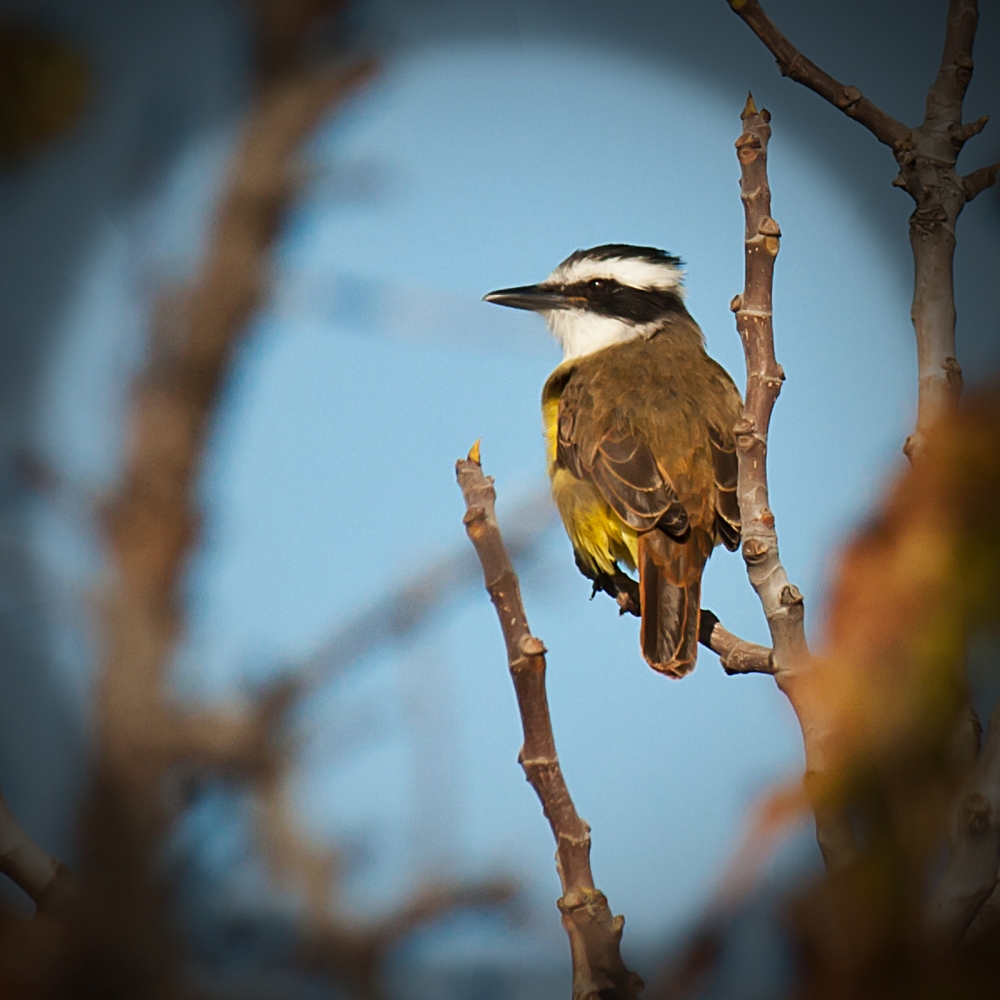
608 297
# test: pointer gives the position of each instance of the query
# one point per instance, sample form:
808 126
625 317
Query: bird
639 427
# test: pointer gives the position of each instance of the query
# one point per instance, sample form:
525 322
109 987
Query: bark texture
782 601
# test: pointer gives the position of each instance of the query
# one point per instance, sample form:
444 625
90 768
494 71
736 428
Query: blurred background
494 139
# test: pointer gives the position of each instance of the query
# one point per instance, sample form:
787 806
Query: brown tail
670 598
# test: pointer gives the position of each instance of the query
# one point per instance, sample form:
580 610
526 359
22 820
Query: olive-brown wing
725 469
621 465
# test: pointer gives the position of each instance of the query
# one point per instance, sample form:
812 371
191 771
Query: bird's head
603 296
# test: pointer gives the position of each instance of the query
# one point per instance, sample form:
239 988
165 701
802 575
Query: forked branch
926 156
594 934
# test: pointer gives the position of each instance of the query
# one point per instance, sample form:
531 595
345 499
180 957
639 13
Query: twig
736 655
50 884
594 934
781 600
794 64
926 156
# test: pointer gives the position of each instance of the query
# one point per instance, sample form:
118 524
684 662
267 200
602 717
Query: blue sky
330 474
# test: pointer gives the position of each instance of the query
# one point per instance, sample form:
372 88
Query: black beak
537 298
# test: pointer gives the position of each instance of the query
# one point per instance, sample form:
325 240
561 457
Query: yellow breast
598 534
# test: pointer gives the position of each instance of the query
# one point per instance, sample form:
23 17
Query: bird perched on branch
639 425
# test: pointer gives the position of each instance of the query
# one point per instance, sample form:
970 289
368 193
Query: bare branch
594 934
926 156
794 64
979 180
48 882
781 600
927 173
946 93
961 134
736 655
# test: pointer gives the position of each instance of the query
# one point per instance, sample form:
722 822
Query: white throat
580 332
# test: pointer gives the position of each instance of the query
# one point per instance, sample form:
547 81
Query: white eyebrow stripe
632 271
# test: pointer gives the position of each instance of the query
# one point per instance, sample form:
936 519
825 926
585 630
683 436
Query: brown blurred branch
594 934
45 87
781 600
357 955
408 606
914 587
151 523
49 883
151 527
329 942
926 156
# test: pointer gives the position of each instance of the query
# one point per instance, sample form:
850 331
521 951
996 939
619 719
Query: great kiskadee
639 426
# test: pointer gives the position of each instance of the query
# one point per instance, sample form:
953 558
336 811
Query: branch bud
848 97
961 134
473 514
531 646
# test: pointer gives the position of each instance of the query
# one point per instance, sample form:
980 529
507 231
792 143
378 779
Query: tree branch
927 173
736 655
979 180
50 884
794 64
781 600
594 934
946 93
926 156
